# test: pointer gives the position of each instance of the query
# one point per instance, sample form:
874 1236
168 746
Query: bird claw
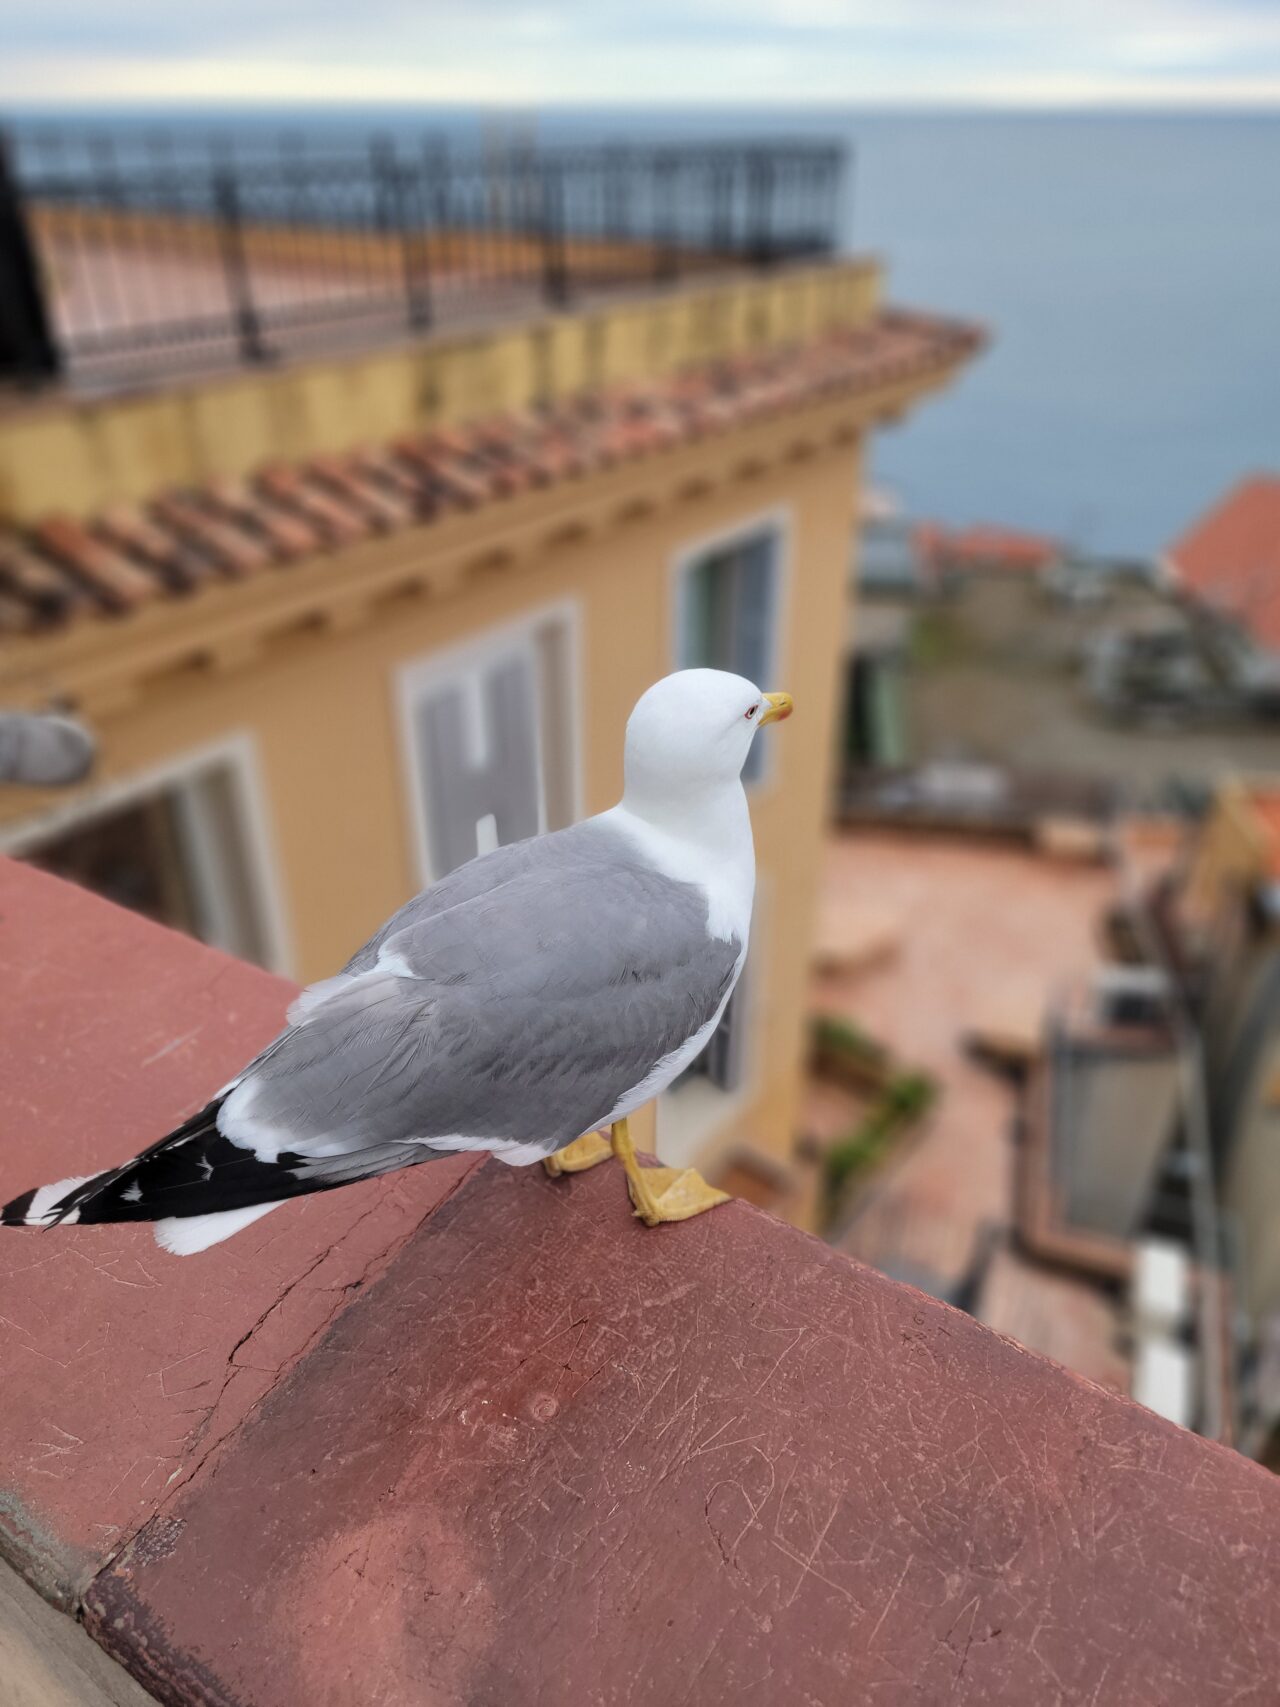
675 1194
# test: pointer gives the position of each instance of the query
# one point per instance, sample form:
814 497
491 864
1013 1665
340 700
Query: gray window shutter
458 791
723 1061
754 608
726 1048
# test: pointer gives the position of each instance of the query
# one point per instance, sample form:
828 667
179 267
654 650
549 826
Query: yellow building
343 622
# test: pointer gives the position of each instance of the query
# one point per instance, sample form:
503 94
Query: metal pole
555 281
397 202
417 266
235 265
27 348
760 181
721 206
664 254
840 214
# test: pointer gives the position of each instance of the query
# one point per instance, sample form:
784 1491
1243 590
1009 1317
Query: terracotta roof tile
538 442
382 466
16 616
386 507
42 589
451 478
129 530
500 452
293 488
286 533
1230 557
118 583
233 548
233 528
984 546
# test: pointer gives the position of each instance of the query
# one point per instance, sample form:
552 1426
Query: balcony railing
160 256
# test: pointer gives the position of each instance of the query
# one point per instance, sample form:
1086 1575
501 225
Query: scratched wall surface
122 1369
551 1457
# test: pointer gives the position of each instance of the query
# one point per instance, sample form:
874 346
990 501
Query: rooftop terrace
984 936
160 257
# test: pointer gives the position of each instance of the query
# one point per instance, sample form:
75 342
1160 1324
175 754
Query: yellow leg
662 1194
577 1157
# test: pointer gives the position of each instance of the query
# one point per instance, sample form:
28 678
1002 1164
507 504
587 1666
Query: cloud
783 52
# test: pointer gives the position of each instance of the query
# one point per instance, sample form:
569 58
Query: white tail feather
38 1209
184 1235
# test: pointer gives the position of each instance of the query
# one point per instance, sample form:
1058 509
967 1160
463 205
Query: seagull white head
693 730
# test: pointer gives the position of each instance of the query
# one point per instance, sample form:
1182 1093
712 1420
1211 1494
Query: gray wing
562 848
486 1014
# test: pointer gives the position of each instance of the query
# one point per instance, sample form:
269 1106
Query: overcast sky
788 52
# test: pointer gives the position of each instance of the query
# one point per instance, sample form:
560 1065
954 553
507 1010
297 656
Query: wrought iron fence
156 253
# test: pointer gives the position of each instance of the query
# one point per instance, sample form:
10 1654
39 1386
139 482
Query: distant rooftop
1230 557
983 546
985 933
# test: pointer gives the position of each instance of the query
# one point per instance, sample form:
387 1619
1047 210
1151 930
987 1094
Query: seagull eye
753 711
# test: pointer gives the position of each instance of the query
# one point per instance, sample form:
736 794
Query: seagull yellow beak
780 705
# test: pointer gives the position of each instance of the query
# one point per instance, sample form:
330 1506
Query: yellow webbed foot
672 1194
577 1157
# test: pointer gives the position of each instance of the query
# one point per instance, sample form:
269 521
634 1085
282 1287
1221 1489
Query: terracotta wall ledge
478 1437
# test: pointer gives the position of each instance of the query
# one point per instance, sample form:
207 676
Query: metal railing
154 253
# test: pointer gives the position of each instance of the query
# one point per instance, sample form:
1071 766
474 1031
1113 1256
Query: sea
1126 266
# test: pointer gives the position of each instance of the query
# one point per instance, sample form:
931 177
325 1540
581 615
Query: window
726 619
708 1098
490 743
721 1063
177 851
727 614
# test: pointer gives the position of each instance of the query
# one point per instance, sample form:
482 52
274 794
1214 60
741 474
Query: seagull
523 1004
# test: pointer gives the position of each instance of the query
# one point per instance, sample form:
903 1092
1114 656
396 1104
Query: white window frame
237 755
463 662
778 522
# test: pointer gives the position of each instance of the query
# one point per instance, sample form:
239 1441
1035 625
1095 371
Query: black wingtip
15 1214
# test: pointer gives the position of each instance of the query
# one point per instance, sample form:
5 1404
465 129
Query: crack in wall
185 1475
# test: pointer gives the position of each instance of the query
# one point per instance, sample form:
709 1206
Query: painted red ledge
553 1457
121 1368
500 1446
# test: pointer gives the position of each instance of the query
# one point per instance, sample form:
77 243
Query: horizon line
833 106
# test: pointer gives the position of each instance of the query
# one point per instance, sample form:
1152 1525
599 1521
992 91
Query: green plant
938 638
905 1101
842 1037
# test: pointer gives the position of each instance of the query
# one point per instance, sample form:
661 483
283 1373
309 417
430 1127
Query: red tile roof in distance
984 546
1265 805
1230 557
130 555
